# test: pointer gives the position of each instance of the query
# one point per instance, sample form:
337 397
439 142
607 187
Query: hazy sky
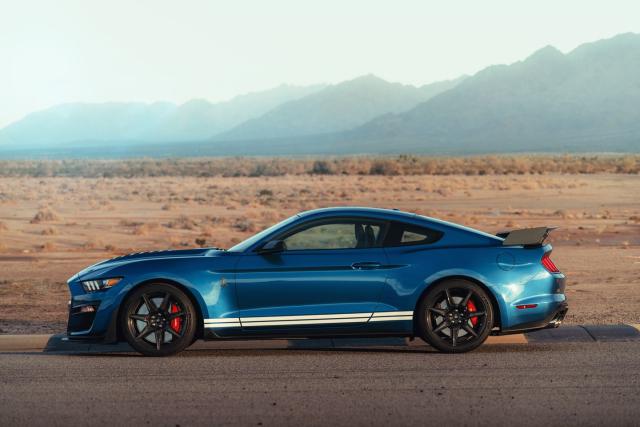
132 50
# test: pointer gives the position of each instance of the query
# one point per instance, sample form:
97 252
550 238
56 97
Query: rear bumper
553 320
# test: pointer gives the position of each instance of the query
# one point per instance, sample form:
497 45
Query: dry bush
145 229
385 167
129 223
244 224
379 165
49 232
44 215
265 192
93 243
46 247
183 222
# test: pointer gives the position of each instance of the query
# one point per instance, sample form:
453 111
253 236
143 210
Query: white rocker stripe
304 317
222 325
393 313
307 322
388 318
222 322
313 319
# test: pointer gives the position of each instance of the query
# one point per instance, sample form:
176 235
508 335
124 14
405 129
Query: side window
406 234
338 235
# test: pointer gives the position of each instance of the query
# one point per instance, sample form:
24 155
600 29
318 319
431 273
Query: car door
330 274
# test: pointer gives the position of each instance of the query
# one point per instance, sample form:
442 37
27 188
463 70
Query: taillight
548 264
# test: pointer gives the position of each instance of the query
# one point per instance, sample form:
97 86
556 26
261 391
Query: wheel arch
494 302
188 292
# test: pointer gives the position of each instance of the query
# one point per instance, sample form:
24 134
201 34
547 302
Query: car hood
144 256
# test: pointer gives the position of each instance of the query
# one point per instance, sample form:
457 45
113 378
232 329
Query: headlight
99 284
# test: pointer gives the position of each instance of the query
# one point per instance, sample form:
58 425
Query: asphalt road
595 383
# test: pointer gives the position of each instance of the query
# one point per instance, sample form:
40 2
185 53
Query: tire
158 320
445 316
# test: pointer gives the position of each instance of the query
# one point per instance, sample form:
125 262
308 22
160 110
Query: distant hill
131 123
587 100
336 108
200 119
85 122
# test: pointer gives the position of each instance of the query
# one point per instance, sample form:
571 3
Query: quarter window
409 236
406 234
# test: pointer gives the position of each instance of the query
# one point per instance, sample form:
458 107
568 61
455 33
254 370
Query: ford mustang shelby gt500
326 273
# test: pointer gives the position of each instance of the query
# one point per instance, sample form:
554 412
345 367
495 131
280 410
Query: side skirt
211 336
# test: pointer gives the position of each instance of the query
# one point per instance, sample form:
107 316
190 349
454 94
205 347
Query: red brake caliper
176 323
471 307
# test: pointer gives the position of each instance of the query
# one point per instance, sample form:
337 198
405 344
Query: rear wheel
158 320
455 316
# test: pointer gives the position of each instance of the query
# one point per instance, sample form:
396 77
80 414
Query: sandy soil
52 227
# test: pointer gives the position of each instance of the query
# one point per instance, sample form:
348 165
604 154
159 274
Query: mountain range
114 122
587 100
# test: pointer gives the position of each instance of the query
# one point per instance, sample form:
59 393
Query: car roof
357 210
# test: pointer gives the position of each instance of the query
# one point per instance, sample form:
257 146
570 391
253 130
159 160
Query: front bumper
97 325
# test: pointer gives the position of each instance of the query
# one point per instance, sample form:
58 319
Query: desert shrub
244 224
385 167
322 167
183 222
144 229
43 215
46 247
92 243
350 165
265 193
129 223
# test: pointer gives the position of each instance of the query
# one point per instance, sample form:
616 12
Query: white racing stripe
312 319
308 317
307 322
393 313
222 322
388 318
222 325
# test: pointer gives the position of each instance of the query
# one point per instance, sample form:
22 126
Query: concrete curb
23 342
59 344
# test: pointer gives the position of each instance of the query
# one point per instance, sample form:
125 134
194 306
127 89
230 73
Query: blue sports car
326 273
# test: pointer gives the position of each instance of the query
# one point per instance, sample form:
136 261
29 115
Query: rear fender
497 301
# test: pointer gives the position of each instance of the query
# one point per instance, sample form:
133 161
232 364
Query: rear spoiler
525 236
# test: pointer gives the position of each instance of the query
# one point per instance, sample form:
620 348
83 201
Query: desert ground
51 227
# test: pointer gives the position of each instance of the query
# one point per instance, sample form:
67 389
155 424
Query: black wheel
455 316
158 320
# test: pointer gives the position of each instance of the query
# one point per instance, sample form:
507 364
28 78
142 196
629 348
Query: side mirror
272 247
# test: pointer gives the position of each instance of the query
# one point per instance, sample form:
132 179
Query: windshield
244 245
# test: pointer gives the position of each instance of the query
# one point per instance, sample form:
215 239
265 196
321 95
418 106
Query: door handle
366 265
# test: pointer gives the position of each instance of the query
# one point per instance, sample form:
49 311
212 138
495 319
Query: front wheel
455 316
158 320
